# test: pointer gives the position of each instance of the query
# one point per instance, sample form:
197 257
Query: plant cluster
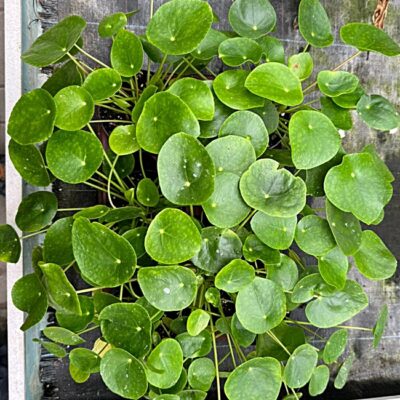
209 215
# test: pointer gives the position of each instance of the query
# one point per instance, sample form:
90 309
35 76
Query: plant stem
106 178
69 266
109 182
116 121
195 69
33 234
215 357
290 110
148 59
141 163
246 220
112 166
358 328
275 339
77 63
91 57
70 209
172 74
104 190
89 329
231 350
90 289
112 108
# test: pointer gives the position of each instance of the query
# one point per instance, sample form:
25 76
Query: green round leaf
314 236
197 95
269 115
242 336
359 187
349 100
208 47
147 193
170 288
198 321
29 295
136 239
163 115
210 129
259 378
310 286
127 326
251 127
218 248
314 24
32 118
333 267
335 308
313 138
29 163
67 74
286 87
252 19
237 51
274 191
300 366
164 364
57 246
201 374
335 346
226 208
336 83
126 54
378 113
366 37
275 232
36 211
301 65
82 363
254 249
285 274
229 86
102 83
74 157
55 43
340 117
179 26
261 305
123 141
232 153
10 245
75 108
62 335
148 92
319 380
373 259
92 242
380 325
272 49
195 346
123 374
103 299
234 276
185 170
93 212
172 237
76 322
112 24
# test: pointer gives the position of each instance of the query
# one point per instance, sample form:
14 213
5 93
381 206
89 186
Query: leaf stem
215 357
70 209
195 69
112 108
246 220
141 163
275 339
33 234
91 57
77 63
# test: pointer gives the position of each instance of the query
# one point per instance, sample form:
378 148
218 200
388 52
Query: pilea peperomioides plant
209 216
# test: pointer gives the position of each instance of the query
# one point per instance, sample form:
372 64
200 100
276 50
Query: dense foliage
209 216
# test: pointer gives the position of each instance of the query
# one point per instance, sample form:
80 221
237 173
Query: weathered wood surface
376 372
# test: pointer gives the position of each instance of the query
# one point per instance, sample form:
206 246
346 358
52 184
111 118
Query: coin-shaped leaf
148 91
276 82
367 37
163 115
55 43
170 288
234 276
349 100
172 237
93 212
242 336
237 51
340 117
284 274
36 211
336 83
333 267
314 24
248 125
310 286
319 380
82 363
259 378
335 346
76 322
201 374
380 325
179 26
67 74
313 138
102 83
147 193
123 374
261 305
32 118
208 47
254 249
274 191
252 19
123 141
112 24
92 242
197 321
10 245
301 65
195 346
164 364
335 308
229 86
185 170
210 129
136 239
272 49
127 326
364 188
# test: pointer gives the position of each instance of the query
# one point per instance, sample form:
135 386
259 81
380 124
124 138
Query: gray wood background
376 372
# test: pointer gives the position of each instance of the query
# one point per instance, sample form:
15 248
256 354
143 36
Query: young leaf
314 24
82 363
380 325
333 267
185 170
301 65
170 288
123 140
123 374
195 346
163 115
261 305
102 83
198 321
55 43
29 295
147 193
259 378
276 82
229 86
10 245
285 274
62 335
274 191
32 118
92 242
36 211
179 26
336 83
335 346
319 380
172 237
234 276
127 326
343 374
112 24
373 259
164 364
250 126
201 374
237 51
